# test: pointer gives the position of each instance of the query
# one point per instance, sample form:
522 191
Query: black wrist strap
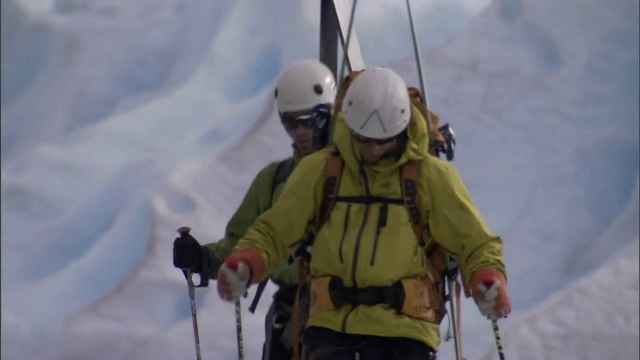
250 275
206 267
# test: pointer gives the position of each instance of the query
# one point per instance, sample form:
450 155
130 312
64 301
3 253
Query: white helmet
377 104
304 85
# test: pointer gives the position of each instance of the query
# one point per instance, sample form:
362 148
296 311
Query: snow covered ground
124 120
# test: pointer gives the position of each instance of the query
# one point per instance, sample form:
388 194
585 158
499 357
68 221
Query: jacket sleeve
457 225
256 201
274 235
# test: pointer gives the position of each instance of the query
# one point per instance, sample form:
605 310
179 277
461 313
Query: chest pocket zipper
382 222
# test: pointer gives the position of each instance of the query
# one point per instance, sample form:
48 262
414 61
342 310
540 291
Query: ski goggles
308 121
365 140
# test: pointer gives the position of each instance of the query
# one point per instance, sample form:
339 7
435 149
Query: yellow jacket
350 245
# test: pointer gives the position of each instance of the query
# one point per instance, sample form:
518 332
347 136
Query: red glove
489 290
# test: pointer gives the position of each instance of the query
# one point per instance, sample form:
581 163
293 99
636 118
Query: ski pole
454 316
239 330
256 297
496 334
192 297
194 318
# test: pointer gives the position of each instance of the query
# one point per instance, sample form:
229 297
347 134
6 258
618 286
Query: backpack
437 270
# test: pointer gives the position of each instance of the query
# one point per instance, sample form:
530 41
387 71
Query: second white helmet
304 85
377 104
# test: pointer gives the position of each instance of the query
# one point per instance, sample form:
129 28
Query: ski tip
184 230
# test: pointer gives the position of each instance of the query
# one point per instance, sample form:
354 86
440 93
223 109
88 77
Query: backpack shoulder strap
332 174
409 180
411 196
284 169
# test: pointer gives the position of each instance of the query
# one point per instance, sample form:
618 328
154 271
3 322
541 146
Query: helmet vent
275 93
317 88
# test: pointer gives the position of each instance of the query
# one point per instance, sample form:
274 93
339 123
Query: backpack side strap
332 174
411 195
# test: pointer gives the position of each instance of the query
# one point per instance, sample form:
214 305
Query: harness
420 298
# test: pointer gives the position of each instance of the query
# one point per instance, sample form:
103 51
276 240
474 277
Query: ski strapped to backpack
419 298
284 169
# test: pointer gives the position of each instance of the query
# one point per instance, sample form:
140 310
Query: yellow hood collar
417 145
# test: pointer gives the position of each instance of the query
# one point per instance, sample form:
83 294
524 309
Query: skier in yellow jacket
376 133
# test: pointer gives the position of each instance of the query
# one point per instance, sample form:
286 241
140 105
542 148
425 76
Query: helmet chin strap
322 126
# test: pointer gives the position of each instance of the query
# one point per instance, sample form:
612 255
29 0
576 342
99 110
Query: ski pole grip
184 230
204 281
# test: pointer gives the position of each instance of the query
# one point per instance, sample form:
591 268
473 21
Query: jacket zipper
358 240
382 222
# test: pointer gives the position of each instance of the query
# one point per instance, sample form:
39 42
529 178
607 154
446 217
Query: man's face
372 150
300 126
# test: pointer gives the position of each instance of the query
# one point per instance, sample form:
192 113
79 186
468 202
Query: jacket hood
416 149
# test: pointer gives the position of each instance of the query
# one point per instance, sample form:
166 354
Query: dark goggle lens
316 117
306 121
366 140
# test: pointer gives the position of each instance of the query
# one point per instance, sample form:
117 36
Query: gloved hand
488 287
233 278
187 252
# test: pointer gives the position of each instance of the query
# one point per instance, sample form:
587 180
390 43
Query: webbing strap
392 295
256 297
369 200
332 174
295 342
284 169
411 195
303 273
